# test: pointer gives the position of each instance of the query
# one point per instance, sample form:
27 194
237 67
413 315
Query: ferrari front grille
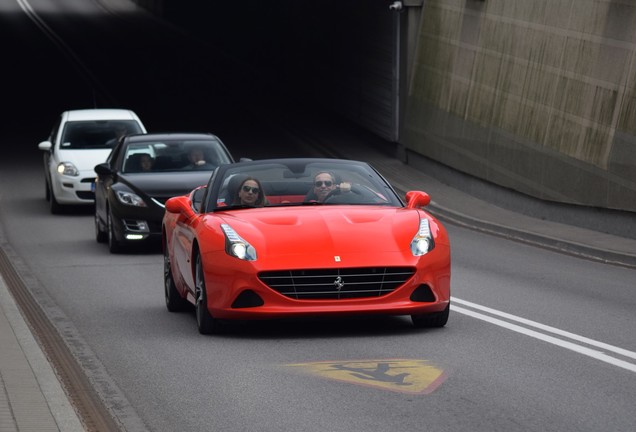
345 283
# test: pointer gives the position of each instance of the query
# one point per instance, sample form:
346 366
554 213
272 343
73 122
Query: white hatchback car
80 140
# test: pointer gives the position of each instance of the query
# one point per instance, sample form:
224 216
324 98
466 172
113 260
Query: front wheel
113 245
100 235
174 301
206 323
54 206
431 320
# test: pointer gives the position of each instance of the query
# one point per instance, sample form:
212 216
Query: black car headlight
422 242
236 246
131 199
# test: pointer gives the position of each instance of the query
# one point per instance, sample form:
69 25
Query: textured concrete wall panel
627 122
535 95
545 87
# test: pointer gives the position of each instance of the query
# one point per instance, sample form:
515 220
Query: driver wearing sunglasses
250 193
325 183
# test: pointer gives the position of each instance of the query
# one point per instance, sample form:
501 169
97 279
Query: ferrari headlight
423 241
130 199
237 247
67 168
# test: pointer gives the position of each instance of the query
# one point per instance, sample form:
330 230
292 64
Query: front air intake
346 283
247 299
423 294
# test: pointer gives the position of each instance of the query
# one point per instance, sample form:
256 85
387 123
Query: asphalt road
535 341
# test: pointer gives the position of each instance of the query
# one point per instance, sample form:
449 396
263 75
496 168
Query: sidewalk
31 397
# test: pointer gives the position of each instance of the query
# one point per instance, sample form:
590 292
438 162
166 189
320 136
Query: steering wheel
356 195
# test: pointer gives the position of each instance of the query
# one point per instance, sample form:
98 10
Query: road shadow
316 327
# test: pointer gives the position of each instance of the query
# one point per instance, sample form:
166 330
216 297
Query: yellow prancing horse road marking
404 376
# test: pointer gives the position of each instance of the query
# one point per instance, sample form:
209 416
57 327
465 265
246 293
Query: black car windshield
298 182
173 155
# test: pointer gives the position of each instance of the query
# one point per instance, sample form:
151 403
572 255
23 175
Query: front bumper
236 294
73 190
136 224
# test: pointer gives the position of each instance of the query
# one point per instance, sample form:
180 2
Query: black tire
206 323
54 206
113 245
100 235
174 301
431 320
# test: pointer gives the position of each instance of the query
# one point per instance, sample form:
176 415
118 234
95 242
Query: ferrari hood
327 230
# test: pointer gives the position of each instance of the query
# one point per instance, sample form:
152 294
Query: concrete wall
535 95
538 96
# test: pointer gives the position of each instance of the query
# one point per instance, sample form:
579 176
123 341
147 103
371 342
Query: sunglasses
327 183
254 190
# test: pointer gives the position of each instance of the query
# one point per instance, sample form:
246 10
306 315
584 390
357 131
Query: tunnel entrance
332 55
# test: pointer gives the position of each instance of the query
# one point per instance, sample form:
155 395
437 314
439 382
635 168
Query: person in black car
198 161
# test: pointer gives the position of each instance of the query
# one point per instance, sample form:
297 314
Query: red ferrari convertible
304 237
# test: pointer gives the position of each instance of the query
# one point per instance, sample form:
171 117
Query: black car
139 176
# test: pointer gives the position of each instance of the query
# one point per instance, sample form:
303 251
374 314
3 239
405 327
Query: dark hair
260 201
331 174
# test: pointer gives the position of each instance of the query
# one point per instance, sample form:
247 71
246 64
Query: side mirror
103 169
416 199
180 205
45 145
197 197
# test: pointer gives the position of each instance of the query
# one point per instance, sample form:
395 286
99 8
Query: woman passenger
250 193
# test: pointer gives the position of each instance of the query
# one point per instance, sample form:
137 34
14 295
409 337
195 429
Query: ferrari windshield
298 182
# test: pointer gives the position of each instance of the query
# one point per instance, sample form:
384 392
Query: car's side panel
182 245
102 184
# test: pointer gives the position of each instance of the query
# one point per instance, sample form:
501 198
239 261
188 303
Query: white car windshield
98 134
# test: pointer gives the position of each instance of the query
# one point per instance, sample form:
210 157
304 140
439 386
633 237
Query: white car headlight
422 242
236 246
130 199
67 168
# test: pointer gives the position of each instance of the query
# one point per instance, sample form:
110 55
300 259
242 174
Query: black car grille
347 283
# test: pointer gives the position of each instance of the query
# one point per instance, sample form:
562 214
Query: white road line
599 355
61 45
563 333
26 7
